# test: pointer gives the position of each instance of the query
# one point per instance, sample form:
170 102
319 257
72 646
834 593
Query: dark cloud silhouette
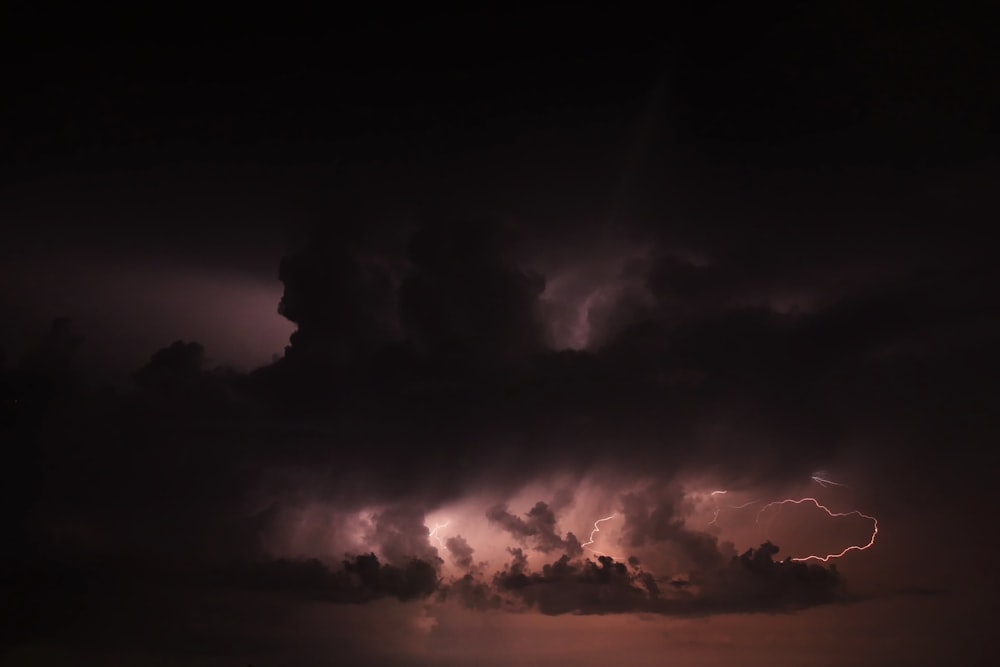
473 593
564 587
343 303
752 582
172 363
657 520
539 529
401 535
464 295
415 579
178 379
55 356
460 551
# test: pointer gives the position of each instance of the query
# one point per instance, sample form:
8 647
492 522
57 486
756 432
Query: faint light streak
718 493
826 483
434 534
718 510
597 529
828 557
746 504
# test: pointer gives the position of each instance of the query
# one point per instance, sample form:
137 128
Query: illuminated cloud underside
671 556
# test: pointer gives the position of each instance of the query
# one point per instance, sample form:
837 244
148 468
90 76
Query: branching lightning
597 529
433 533
827 557
826 483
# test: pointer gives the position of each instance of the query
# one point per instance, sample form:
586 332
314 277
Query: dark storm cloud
464 290
454 291
752 582
472 593
344 304
178 377
538 529
758 294
795 384
55 353
460 551
401 535
564 587
177 360
657 520
428 408
361 579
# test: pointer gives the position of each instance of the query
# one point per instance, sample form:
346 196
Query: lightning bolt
434 534
828 557
826 483
718 510
597 529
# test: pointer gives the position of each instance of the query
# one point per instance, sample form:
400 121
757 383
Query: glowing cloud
433 534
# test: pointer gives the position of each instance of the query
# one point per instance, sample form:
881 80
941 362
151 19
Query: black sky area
263 272
244 125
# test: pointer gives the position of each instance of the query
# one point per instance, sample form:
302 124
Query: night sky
519 337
